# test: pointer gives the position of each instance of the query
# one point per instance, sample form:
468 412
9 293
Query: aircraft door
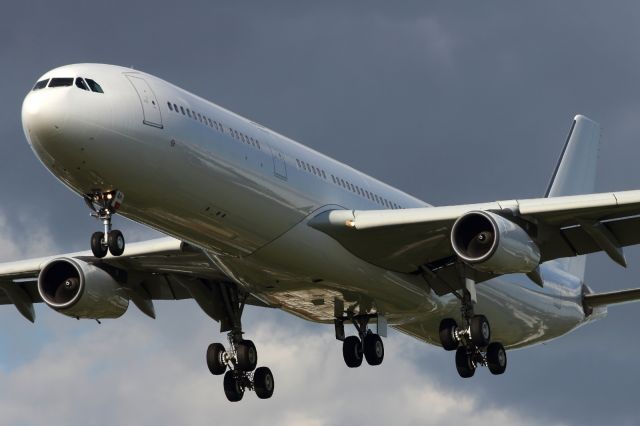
150 108
279 164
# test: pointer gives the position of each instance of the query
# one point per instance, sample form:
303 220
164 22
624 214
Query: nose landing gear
104 206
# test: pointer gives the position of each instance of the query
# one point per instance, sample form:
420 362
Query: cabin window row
244 138
311 169
196 116
364 193
179 109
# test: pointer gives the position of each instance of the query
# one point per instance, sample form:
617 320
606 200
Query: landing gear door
150 107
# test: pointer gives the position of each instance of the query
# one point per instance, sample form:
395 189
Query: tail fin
575 173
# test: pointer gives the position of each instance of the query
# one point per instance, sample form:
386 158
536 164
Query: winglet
575 173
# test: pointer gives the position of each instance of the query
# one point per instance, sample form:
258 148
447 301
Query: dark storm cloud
452 104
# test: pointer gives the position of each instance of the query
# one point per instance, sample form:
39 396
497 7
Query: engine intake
490 243
78 289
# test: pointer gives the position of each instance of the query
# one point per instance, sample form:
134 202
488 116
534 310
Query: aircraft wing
419 239
159 269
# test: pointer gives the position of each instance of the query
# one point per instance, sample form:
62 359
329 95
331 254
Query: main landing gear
367 344
104 206
238 362
472 341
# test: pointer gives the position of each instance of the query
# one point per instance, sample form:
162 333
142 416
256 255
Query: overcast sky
451 103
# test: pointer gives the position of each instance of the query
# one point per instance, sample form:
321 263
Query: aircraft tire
496 358
373 349
247 356
263 382
98 249
480 331
448 339
352 351
464 364
116 242
233 390
214 359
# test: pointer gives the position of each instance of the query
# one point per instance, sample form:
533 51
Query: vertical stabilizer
575 173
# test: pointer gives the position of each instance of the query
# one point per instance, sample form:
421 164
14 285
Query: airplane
255 218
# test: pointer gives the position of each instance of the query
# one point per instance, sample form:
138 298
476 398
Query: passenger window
175 108
323 174
41 84
168 103
95 87
182 109
61 82
188 113
81 84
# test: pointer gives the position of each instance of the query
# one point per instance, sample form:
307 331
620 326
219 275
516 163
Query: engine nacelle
81 290
490 243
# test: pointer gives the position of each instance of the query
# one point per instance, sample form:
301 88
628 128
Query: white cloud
143 372
28 239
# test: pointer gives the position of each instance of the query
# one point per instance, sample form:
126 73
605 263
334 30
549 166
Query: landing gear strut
366 343
104 206
238 362
472 341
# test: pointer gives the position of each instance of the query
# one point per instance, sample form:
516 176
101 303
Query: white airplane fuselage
244 194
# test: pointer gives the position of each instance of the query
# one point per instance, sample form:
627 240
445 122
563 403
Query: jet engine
78 289
490 243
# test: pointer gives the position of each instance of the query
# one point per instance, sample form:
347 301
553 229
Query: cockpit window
95 87
61 82
81 84
41 84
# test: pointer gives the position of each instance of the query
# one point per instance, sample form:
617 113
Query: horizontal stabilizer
612 298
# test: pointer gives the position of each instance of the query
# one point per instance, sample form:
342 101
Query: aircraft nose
44 116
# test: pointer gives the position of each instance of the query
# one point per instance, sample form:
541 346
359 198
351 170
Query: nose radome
43 119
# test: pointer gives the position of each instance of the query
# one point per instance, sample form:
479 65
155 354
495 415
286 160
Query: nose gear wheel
104 205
